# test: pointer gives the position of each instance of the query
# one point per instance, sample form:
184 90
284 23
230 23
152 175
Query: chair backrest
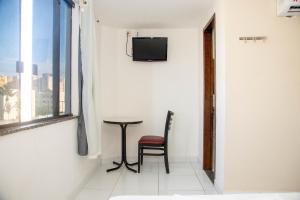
168 125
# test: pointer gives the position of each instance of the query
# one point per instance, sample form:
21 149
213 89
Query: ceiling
151 13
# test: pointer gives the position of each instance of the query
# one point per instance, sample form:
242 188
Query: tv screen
150 49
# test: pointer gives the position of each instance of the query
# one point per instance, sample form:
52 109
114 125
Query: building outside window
35 60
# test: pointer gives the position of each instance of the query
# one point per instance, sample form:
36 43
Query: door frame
209 113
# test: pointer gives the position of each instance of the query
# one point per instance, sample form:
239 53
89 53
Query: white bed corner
263 196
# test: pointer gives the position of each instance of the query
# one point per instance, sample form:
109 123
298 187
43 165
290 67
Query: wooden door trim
211 23
209 89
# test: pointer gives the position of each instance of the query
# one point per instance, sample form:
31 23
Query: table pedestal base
123 158
120 165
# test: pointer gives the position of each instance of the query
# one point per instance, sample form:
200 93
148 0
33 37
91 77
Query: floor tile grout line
197 176
114 187
204 189
160 176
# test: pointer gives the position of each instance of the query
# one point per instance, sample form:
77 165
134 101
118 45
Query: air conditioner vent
288 8
294 9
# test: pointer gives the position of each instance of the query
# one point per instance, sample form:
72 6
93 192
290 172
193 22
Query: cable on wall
80 2
128 33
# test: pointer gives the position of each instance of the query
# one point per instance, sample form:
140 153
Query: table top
122 120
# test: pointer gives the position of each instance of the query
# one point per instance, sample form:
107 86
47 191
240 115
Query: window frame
55 69
70 3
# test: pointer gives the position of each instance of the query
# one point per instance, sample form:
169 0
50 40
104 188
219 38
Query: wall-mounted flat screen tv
150 49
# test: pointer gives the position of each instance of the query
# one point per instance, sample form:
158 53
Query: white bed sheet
273 196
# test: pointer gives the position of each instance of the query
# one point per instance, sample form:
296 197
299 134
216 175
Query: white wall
257 98
262 99
148 90
221 87
43 163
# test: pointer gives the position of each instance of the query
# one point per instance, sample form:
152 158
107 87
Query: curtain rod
70 3
81 2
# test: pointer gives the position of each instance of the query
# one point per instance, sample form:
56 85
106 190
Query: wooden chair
152 142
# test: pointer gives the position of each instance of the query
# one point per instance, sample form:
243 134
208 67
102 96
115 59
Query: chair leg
139 160
142 156
166 161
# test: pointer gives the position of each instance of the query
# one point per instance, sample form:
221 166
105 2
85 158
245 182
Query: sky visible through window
9 36
42 35
14 98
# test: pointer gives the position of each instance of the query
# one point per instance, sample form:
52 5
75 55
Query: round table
123 123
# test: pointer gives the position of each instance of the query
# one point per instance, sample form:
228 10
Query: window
42 59
65 62
35 59
9 54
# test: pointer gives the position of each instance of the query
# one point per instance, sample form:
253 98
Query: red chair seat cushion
152 139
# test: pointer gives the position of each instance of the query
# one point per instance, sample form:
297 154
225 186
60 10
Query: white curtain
89 73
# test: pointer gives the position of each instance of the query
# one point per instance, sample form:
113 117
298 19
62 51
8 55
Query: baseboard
182 159
109 160
199 160
218 188
77 190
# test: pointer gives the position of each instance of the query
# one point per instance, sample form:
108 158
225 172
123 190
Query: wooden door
209 132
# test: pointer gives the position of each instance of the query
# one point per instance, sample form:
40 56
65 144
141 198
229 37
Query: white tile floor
184 179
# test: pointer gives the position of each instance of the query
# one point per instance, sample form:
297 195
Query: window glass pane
9 55
46 50
65 58
42 59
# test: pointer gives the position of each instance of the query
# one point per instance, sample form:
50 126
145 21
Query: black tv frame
150 60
